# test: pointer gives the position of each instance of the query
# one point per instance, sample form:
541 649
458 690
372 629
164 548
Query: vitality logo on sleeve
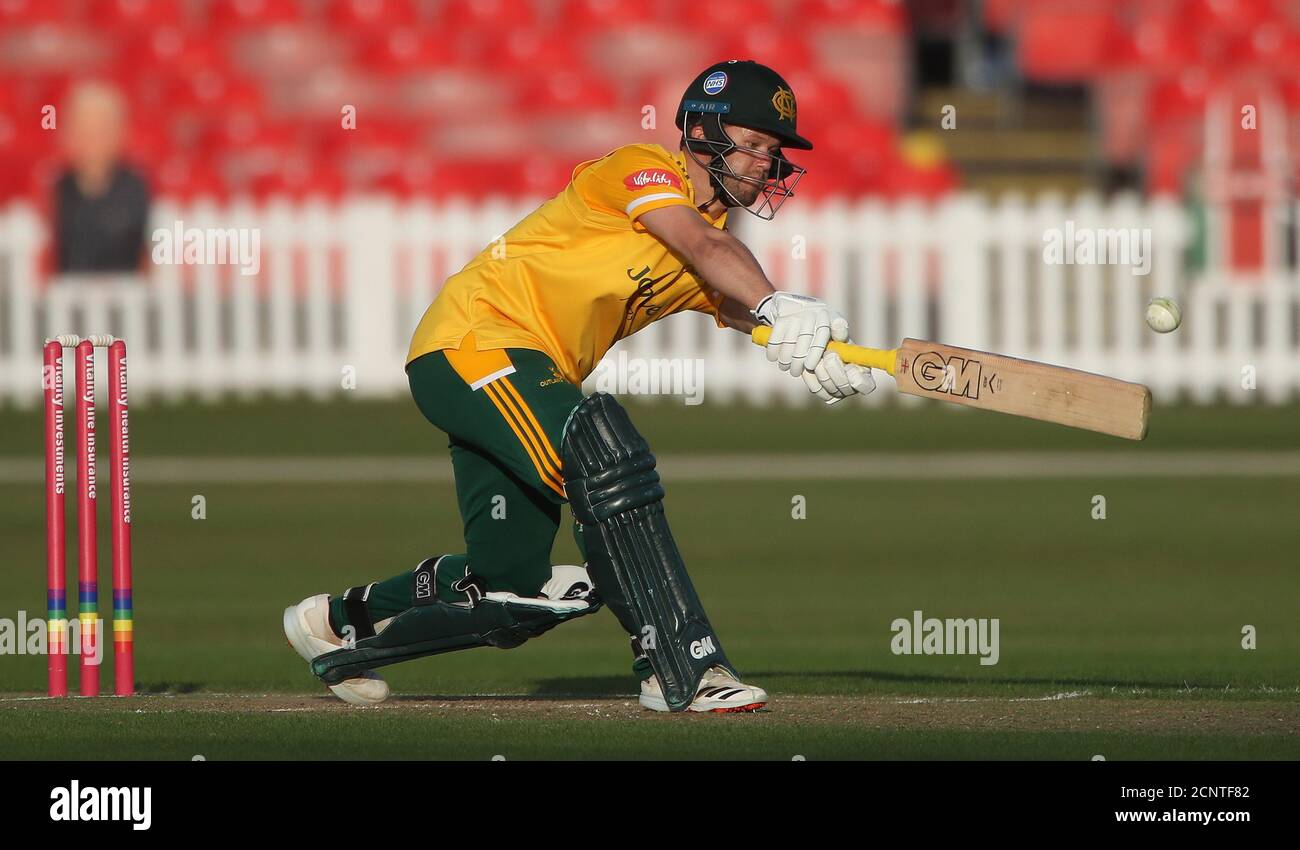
638 180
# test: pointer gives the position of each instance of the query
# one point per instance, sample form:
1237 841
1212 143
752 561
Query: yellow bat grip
876 358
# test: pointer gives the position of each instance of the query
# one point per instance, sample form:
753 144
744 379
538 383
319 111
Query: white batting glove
834 380
801 327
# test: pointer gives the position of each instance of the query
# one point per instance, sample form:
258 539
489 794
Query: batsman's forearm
730 268
736 315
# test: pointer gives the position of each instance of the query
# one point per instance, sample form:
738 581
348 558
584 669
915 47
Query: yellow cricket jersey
578 273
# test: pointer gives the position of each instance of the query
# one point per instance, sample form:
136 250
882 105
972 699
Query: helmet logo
783 102
715 82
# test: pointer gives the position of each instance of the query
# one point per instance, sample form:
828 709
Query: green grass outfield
368 428
1120 637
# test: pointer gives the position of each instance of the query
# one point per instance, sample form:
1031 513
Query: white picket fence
341 288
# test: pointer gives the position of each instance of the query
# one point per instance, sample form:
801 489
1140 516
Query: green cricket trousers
504 413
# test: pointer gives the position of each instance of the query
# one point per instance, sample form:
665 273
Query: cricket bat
1005 384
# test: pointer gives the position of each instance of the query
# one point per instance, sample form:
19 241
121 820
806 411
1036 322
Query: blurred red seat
253 14
1289 86
564 91
299 177
372 15
771 44
925 181
1164 41
148 143
376 152
486 177
1065 44
202 78
18 152
454 92
1178 100
1229 17
860 14
405 49
210 91
590 15
539 175
376 133
849 155
238 130
500 15
473 178
183 177
527 50
629 55
1271 49
1000 16
21 135
1169 159
167 51
36 92
21 13
37 183
121 14
820 98
732 15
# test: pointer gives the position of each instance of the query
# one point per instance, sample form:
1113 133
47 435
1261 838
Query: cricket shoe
719 692
307 626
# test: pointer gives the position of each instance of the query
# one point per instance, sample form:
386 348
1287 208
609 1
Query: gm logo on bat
954 376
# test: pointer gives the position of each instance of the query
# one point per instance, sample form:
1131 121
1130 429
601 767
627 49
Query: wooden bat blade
1023 388
1006 384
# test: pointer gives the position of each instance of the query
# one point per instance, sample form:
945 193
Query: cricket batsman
497 363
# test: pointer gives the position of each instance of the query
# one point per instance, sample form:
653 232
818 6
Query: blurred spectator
101 206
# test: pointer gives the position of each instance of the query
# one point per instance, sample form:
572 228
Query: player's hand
801 327
833 379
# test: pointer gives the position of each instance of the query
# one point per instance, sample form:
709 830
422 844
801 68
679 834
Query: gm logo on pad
703 647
